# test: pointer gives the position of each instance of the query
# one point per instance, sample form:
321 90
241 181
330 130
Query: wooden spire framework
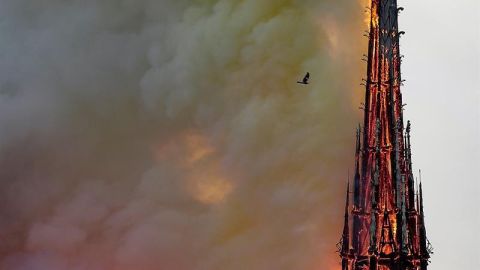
384 225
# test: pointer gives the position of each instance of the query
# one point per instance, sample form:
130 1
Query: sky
170 134
442 90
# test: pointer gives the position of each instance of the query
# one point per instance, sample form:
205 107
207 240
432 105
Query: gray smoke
172 135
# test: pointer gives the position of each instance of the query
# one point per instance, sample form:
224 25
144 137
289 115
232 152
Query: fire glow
384 229
165 134
205 180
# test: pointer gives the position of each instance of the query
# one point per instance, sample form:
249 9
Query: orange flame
366 4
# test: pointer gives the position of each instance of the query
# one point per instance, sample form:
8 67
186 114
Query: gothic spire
346 227
409 170
424 250
356 178
388 231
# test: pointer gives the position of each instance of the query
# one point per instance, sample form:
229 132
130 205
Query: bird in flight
305 79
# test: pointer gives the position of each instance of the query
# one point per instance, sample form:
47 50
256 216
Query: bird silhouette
305 79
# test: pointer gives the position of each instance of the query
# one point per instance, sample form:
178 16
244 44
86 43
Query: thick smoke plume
147 134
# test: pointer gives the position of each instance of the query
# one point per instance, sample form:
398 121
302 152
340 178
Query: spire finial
345 248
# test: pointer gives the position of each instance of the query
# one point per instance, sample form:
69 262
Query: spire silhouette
388 228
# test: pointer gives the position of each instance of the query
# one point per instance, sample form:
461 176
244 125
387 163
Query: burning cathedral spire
384 222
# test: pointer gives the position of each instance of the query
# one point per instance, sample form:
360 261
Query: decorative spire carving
388 231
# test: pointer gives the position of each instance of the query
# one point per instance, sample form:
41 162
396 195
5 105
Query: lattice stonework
384 224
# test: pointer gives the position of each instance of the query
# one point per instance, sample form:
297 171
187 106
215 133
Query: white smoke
172 135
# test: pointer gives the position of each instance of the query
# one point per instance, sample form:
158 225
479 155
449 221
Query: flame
371 14
366 4
394 226
374 16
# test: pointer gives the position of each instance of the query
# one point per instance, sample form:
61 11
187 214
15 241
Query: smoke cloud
144 134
